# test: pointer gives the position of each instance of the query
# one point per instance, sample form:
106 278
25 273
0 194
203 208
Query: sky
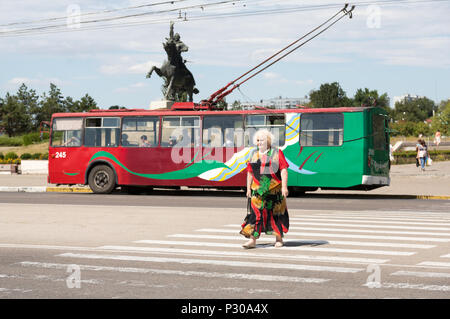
394 47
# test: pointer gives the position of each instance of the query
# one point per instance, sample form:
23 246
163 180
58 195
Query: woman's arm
249 184
284 182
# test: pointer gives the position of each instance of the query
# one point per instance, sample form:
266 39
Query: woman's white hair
266 134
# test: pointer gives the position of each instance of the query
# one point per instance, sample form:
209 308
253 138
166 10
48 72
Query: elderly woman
267 179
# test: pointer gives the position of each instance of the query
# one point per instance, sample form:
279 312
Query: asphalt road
186 245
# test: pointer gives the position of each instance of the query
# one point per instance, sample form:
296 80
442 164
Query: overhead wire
94 13
42 30
100 20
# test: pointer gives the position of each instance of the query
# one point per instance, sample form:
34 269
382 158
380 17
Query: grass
19 150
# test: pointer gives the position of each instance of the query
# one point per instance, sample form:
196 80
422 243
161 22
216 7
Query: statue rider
178 79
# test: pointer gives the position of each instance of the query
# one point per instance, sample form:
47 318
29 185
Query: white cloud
127 65
304 82
135 87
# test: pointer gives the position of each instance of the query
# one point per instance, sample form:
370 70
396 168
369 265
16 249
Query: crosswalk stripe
421 274
446 256
406 214
402 285
311 242
371 226
433 263
215 262
240 276
358 230
287 245
207 253
214 230
371 231
372 221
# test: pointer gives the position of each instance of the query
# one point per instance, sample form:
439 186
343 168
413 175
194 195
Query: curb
46 189
68 190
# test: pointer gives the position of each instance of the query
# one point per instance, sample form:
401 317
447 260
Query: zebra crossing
411 248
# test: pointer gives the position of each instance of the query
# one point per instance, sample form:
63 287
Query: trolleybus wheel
102 179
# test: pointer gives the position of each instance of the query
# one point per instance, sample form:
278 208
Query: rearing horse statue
178 79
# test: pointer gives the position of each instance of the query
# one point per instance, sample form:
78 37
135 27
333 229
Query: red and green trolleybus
332 148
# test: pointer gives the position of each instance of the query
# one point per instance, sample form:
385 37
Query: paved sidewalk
405 180
408 179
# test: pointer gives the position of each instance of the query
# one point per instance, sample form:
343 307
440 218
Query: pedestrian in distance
267 190
422 153
437 138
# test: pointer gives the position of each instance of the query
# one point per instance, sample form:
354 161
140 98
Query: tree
329 95
117 107
236 105
416 110
30 100
87 103
51 103
222 104
441 120
370 98
14 117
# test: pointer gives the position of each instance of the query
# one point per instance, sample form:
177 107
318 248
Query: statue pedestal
162 104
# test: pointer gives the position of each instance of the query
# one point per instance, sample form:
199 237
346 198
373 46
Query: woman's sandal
250 244
279 244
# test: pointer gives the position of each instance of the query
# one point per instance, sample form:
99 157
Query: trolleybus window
140 131
379 133
66 132
275 123
180 131
223 131
321 129
102 132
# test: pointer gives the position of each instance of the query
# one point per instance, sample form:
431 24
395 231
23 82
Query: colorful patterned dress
268 211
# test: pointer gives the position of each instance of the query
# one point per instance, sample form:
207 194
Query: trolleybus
327 148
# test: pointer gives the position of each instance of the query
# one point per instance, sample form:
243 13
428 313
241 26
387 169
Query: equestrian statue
179 81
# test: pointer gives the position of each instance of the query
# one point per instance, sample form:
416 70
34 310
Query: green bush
44 156
11 155
36 156
31 138
11 141
403 128
2 156
25 156
409 157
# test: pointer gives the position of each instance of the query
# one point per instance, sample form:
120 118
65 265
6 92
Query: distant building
406 98
278 103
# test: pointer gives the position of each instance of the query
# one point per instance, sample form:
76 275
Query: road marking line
215 262
311 242
9 290
370 226
207 253
421 274
288 247
240 276
412 216
371 231
446 256
445 240
357 230
372 221
386 285
432 263
393 213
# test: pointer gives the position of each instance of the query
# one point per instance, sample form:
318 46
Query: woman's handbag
429 161
417 162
